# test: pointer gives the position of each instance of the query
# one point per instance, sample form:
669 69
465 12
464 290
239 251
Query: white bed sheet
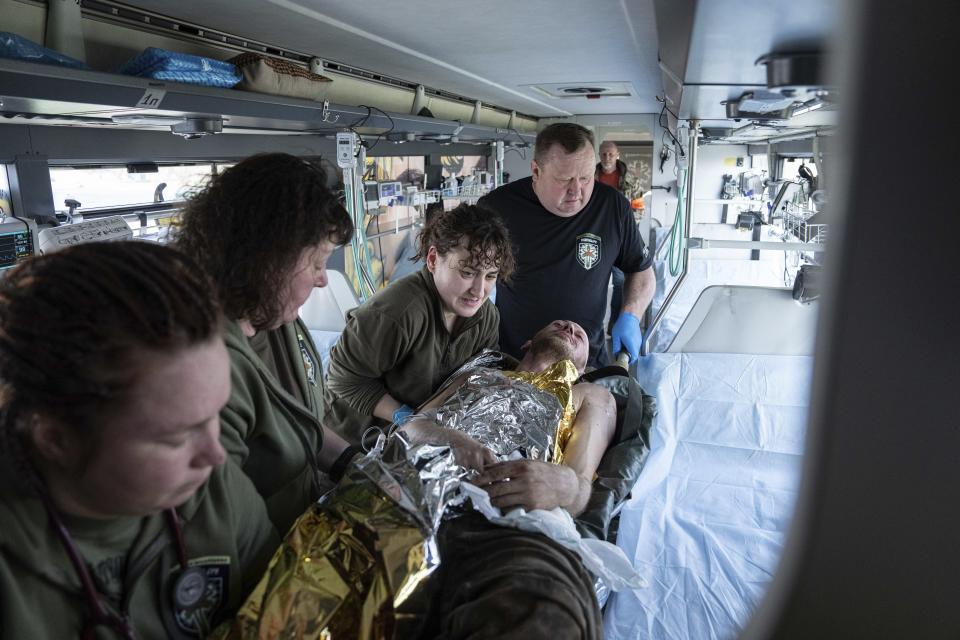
707 519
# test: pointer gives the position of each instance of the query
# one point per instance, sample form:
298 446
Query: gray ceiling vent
584 91
589 90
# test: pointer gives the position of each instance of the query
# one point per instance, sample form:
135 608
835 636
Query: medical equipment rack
795 223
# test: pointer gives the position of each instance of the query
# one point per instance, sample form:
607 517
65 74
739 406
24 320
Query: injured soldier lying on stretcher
531 483
394 551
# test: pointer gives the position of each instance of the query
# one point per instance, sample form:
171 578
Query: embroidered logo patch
195 621
308 364
588 250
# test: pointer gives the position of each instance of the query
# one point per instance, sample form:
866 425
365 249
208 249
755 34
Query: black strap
338 468
603 372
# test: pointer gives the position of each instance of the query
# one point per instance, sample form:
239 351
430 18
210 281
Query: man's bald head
609 154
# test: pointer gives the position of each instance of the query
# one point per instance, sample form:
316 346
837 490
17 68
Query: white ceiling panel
468 48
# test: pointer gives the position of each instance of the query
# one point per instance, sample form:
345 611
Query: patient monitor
389 192
16 242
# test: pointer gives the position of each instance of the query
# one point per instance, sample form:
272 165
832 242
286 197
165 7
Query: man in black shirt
569 232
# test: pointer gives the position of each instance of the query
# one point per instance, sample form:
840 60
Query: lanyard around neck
99 614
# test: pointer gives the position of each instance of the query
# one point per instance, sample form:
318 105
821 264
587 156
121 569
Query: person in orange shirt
613 171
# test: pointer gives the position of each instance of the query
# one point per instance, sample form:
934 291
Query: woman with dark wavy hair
119 517
407 339
264 230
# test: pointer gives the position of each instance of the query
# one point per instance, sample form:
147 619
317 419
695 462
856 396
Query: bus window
759 162
96 187
791 169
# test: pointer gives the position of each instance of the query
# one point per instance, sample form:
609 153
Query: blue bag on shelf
19 48
161 64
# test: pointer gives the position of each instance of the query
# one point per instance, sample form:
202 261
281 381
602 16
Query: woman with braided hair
119 517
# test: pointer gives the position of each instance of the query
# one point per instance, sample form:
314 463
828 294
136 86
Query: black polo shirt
563 264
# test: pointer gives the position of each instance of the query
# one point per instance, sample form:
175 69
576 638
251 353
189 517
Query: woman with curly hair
408 338
264 230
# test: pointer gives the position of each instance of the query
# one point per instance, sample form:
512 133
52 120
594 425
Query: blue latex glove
402 413
627 335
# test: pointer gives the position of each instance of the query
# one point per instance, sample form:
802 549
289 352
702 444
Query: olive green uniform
226 533
272 435
397 343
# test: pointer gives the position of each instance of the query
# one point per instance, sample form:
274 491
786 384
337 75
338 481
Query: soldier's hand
530 484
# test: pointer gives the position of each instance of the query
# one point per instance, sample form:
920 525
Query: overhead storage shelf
45 94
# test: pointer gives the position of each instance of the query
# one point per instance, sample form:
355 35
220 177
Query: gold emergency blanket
355 565
558 380
513 411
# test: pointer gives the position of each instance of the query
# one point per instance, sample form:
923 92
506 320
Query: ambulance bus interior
793 160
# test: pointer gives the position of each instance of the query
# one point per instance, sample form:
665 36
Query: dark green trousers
495 582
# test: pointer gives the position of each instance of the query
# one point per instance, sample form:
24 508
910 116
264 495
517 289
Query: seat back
327 307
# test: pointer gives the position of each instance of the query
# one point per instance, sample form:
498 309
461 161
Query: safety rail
754 245
139 217
465 192
795 224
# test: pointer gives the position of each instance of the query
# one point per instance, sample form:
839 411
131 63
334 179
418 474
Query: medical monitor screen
15 247
389 190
